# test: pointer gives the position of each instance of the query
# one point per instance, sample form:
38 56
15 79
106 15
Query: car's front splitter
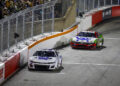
87 46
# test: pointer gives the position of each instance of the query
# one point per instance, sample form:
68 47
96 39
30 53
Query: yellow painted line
53 36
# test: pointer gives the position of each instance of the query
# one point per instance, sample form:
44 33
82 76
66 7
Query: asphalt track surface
81 67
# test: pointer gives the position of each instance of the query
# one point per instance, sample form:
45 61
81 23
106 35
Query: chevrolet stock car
87 39
46 58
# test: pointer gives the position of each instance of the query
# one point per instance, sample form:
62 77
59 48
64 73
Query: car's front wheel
29 69
101 43
61 64
94 47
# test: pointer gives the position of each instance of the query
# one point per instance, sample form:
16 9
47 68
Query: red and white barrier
23 57
2 72
96 17
107 13
115 11
11 65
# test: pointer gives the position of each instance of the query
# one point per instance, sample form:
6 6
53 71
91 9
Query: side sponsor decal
79 38
107 13
43 58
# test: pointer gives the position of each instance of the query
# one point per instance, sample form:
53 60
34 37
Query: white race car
87 39
47 58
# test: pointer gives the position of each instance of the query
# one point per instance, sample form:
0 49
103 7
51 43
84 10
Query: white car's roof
88 31
48 50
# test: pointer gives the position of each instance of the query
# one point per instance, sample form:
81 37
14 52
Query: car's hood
84 39
42 59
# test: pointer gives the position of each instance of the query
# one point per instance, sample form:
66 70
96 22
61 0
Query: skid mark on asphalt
94 64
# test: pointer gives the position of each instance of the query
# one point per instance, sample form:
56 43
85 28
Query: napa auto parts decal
107 13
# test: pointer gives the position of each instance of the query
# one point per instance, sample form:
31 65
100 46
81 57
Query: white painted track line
113 38
94 64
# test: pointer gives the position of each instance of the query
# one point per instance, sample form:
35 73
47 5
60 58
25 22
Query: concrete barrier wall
85 23
107 13
2 72
23 57
13 63
115 11
53 41
96 17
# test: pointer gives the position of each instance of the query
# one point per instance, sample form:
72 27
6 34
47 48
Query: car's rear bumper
77 45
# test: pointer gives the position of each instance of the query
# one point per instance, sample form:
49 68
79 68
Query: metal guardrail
26 24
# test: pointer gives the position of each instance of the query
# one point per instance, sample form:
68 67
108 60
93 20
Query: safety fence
26 24
87 5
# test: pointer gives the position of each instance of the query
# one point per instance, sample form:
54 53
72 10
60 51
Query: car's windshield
86 34
44 53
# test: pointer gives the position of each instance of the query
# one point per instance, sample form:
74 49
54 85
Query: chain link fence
26 24
87 5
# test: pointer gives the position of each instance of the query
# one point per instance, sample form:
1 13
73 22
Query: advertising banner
107 13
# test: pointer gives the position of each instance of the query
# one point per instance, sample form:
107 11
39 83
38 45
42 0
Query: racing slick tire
58 66
102 42
29 69
61 64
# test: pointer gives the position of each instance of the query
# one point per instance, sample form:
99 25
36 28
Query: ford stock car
87 39
47 58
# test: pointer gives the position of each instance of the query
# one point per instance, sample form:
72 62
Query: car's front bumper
79 45
32 65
